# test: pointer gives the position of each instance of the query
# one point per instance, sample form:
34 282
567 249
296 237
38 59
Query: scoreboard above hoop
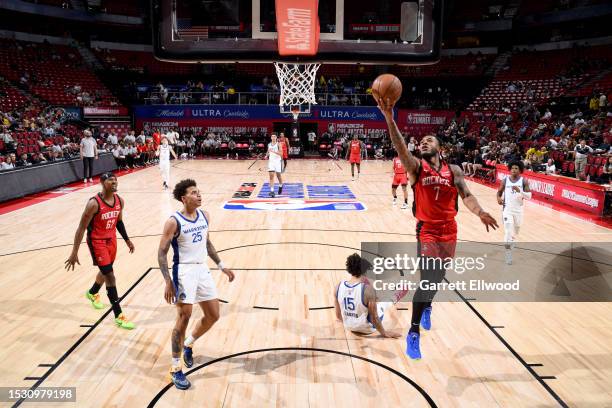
366 32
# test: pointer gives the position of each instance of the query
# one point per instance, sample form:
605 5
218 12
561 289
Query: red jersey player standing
284 144
353 154
102 218
156 138
436 185
399 178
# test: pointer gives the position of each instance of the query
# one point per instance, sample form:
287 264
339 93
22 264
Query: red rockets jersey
435 194
104 224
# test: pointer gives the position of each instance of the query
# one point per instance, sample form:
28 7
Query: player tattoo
162 259
212 252
176 341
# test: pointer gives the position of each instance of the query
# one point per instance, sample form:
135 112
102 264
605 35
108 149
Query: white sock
189 341
176 362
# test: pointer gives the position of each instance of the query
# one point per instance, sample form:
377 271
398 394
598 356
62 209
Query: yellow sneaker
95 300
123 322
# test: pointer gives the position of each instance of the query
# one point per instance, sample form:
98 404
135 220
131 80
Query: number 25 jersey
189 245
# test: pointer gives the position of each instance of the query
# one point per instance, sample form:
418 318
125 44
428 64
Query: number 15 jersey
354 311
189 244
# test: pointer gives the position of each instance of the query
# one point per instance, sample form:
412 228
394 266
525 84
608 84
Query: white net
297 83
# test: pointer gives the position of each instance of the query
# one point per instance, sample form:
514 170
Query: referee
89 152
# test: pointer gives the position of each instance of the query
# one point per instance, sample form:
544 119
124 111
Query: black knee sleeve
106 269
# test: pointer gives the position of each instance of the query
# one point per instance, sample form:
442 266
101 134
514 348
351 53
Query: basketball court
277 342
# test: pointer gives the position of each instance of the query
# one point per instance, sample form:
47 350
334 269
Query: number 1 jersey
435 194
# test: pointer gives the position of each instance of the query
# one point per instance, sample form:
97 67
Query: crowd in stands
30 136
56 74
575 144
515 119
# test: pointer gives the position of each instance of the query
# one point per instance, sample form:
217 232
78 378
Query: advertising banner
105 111
242 118
577 194
73 112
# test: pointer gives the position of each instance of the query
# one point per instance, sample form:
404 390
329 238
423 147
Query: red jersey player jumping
399 178
353 154
102 218
436 185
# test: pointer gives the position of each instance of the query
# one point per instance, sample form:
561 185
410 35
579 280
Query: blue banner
74 113
250 112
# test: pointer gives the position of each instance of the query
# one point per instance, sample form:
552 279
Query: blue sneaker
180 380
188 356
412 346
426 318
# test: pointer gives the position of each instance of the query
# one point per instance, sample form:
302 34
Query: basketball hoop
297 83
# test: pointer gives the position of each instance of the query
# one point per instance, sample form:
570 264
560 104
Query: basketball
387 86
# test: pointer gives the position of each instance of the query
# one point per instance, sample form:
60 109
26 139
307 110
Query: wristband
220 265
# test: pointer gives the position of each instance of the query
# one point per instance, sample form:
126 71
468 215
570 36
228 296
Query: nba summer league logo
294 197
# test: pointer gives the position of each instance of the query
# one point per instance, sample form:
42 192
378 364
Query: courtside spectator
9 163
89 152
550 167
582 152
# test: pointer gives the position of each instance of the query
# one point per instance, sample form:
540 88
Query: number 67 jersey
189 244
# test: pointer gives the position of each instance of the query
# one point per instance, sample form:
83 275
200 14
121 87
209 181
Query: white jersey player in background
275 164
191 282
512 191
163 152
355 302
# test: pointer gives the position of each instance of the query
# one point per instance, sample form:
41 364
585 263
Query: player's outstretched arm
162 258
370 300
470 200
212 253
411 163
90 211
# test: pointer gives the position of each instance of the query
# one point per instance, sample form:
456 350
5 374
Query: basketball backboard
362 31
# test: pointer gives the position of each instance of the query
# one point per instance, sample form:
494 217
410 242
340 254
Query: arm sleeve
122 231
